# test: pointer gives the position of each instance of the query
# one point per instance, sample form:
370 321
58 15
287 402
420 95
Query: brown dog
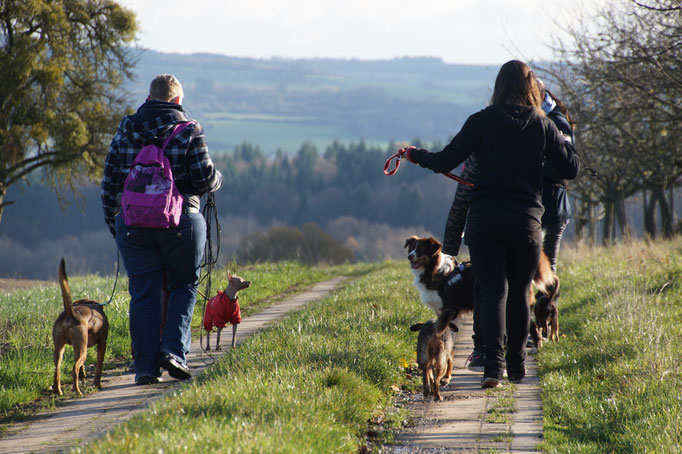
546 313
224 308
435 352
82 324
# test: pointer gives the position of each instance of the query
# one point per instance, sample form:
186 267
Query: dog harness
455 277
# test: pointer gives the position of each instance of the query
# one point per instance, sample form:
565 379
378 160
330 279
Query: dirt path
469 419
81 420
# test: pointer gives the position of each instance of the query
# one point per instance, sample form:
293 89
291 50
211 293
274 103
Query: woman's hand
405 153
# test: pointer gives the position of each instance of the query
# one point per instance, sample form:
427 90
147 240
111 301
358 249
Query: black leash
118 268
210 213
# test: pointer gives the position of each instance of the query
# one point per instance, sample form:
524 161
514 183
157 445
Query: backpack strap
176 130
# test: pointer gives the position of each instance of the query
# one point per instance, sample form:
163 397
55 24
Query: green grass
613 383
312 383
26 318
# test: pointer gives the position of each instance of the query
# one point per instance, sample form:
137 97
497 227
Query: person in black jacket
554 199
511 139
554 195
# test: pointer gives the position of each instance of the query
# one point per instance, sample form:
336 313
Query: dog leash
400 154
118 268
210 213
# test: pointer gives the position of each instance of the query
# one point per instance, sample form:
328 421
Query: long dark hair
516 84
562 108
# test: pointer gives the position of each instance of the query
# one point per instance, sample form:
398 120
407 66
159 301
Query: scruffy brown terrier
435 354
82 325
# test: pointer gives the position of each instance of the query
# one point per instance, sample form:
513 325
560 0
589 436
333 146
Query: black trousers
505 259
552 241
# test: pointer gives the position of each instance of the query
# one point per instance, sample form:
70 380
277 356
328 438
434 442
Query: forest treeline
338 198
327 206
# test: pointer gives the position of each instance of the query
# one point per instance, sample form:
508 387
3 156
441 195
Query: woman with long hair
510 139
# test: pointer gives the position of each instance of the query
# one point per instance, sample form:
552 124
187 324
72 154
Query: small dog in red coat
223 309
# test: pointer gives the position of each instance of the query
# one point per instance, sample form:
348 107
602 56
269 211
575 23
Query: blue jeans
148 254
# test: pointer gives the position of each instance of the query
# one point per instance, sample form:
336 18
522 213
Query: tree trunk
593 223
650 216
622 218
580 219
3 204
666 214
607 223
649 222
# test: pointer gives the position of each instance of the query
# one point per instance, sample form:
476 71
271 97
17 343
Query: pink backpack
150 197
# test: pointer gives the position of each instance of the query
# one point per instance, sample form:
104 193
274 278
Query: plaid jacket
193 170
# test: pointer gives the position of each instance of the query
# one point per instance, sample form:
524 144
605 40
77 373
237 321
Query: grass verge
612 383
314 382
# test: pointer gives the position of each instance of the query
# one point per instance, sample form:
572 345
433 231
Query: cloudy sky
459 31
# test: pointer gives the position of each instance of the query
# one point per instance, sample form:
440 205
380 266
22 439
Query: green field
225 131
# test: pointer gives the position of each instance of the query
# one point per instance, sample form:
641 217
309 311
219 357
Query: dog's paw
57 390
445 381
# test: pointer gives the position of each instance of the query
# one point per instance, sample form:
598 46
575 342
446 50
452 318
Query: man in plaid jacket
149 253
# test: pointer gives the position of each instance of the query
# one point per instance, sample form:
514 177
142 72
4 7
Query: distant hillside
280 103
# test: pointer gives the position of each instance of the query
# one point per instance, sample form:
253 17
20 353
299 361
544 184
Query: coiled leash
400 154
210 213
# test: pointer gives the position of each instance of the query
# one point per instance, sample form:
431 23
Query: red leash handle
400 154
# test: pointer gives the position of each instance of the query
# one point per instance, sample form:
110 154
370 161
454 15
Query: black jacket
510 144
554 195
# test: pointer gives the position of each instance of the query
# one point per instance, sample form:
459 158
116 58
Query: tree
61 65
620 76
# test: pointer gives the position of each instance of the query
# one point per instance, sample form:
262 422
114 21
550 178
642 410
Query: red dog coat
220 310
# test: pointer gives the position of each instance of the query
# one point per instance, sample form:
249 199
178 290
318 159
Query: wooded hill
281 103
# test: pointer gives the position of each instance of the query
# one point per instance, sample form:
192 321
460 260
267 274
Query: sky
458 31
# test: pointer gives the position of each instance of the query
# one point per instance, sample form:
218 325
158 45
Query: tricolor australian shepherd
443 283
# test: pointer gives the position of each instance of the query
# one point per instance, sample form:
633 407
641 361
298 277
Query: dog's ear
416 326
410 240
453 327
435 246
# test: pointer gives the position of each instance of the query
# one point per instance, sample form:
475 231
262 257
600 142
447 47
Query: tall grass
613 383
308 384
26 318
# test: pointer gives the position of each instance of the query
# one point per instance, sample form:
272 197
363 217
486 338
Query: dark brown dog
82 325
435 354
546 313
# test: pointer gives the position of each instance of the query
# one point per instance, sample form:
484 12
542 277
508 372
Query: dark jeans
505 259
552 241
148 254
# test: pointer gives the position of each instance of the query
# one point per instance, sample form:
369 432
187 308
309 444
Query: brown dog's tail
66 291
444 320
545 279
